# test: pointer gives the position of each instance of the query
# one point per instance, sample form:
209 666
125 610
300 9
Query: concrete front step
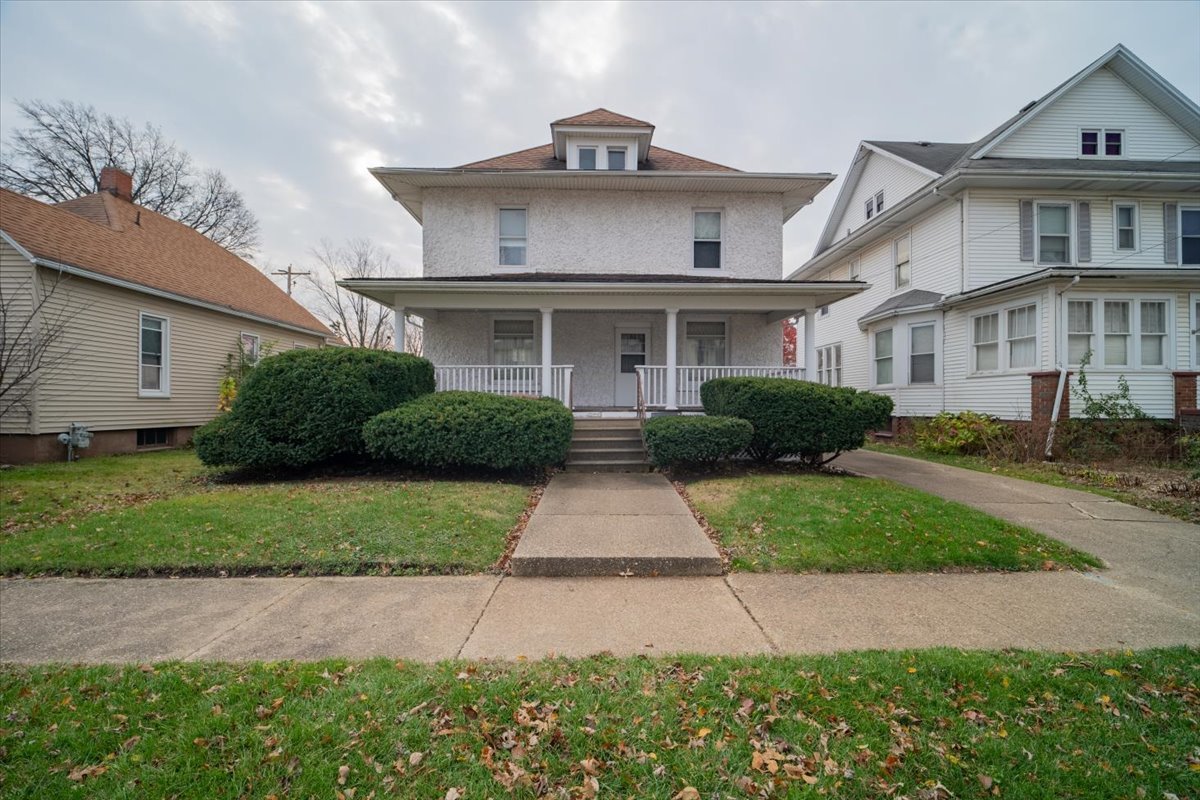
608 466
602 435
607 445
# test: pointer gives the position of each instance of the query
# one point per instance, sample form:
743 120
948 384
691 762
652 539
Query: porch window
829 365
705 343
922 355
1079 330
985 331
883 357
1116 333
706 244
1153 328
1022 336
512 237
513 342
903 251
154 357
1125 332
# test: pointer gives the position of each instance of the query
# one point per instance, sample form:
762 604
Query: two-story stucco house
996 267
601 269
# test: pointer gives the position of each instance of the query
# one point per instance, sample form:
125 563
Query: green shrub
303 407
473 430
695 440
797 418
965 432
1189 451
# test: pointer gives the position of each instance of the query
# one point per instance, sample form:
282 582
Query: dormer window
616 158
587 158
1101 142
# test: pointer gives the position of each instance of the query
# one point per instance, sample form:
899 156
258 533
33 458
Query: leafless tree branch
360 322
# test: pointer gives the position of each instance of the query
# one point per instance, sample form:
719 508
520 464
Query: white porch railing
652 382
510 381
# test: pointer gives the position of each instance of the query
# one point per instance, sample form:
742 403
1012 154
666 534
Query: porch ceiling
776 299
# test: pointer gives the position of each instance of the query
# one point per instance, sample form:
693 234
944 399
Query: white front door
633 344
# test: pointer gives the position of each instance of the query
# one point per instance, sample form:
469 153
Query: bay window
1153 328
1022 336
1116 333
1079 330
883 357
705 343
922 356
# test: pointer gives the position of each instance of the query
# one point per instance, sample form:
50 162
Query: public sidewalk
1149 597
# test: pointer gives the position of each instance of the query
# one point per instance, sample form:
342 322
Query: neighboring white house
1072 228
600 269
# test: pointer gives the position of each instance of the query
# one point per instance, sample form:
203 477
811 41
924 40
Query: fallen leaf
415 758
986 782
96 770
687 793
343 773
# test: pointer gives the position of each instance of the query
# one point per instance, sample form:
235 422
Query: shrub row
674 441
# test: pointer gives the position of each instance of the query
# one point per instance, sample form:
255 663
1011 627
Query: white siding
880 174
601 232
1102 100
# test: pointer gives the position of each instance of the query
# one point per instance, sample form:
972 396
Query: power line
290 273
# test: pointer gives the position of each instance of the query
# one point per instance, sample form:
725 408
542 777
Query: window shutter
1170 233
1027 230
1083 226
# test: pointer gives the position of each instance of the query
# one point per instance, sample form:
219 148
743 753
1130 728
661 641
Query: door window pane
922 359
1116 333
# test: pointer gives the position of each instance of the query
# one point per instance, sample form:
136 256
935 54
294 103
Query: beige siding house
141 313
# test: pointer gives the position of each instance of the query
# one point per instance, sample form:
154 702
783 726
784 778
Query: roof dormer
601 140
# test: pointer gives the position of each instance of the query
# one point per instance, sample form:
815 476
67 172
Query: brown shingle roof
113 237
602 116
542 157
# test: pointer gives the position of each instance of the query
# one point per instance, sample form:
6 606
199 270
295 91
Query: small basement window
153 437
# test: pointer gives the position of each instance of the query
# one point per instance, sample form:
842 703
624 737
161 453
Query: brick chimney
118 182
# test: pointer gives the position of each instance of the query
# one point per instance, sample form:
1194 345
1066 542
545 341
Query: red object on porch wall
789 343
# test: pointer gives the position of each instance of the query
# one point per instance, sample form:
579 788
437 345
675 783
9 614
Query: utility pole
290 273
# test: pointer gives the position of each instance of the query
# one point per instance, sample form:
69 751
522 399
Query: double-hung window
705 343
1007 339
1153 332
1189 236
922 353
512 237
902 249
1116 333
1021 336
587 158
154 357
985 333
706 239
1054 233
829 365
1101 142
616 158
883 358
873 206
1120 333
1196 331
1080 327
1125 218
513 342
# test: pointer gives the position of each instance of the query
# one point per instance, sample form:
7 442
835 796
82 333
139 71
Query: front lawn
164 514
927 724
800 522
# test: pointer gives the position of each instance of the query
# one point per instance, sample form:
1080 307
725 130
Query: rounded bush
695 440
797 418
303 407
472 430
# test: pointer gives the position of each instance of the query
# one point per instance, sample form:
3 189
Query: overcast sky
293 101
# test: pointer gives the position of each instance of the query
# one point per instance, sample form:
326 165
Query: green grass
1067 476
857 725
162 514
797 522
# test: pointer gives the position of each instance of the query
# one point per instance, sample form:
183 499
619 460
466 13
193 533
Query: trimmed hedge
304 407
797 418
473 430
695 440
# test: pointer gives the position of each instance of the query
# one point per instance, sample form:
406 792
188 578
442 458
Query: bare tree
58 156
359 321
34 317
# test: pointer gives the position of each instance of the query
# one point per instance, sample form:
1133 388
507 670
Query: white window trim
616 149
869 208
1137 225
874 359
1179 227
491 334
1135 301
878 203
720 242
1193 300
165 383
681 356
503 268
896 287
908 353
1100 132
602 147
1003 367
1037 233
830 367
258 344
855 269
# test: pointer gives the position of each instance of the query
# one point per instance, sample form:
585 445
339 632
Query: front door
633 344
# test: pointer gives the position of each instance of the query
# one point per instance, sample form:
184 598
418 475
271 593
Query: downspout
1062 373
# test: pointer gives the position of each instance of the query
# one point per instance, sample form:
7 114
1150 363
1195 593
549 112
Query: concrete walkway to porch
1149 597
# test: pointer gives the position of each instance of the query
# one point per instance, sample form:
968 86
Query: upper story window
1054 233
1125 218
706 243
1189 236
512 237
854 270
587 158
873 205
1101 142
902 248
154 357
616 158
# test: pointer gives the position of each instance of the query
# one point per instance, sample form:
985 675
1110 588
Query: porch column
672 348
810 344
398 329
547 357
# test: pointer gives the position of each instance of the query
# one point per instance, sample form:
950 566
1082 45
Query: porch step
608 466
607 455
607 445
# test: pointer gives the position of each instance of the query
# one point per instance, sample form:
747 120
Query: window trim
878 202
608 151
855 269
579 152
164 390
532 319
1179 227
826 369
1006 339
720 241
908 354
869 208
257 344
511 267
875 358
1135 300
1037 232
1101 135
682 355
973 344
895 261
1137 236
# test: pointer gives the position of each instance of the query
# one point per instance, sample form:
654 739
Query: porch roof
777 299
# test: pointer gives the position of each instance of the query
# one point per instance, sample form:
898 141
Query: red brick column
1185 392
1043 386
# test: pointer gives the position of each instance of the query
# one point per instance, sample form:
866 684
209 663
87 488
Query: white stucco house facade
601 269
997 265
